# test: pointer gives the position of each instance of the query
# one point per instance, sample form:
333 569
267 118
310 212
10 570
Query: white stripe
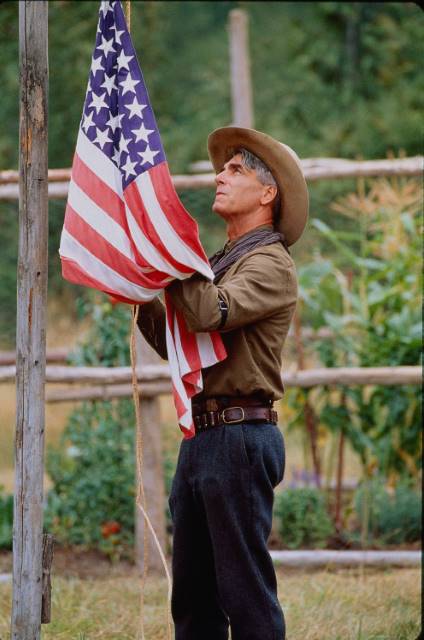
186 419
170 238
72 249
206 350
99 163
105 226
182 360
149 251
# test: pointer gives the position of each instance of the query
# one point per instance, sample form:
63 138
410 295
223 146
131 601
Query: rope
141 498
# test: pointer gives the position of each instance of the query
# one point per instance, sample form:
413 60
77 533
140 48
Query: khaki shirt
260 290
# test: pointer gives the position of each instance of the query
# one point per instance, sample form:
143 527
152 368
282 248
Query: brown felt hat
284 165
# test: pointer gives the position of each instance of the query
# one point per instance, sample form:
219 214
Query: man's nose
219 178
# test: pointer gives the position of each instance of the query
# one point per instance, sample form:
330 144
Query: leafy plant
369 295
93 468
394 515
6 519
302 518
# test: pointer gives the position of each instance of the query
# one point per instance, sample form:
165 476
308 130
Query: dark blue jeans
221 505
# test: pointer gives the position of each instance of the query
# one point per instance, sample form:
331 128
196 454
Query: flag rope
141 497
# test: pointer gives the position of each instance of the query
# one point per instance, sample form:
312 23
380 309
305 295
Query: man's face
238 190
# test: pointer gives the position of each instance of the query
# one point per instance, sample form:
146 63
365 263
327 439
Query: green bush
6 519
93 474
394 517
302 518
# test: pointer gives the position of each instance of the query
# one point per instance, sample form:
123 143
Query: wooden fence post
31 323
153 479
241 88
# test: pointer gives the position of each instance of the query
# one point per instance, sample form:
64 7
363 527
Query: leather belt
233 415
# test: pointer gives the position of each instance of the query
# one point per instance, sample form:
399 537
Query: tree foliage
330 79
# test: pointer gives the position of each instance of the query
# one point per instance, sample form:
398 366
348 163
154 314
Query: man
222 493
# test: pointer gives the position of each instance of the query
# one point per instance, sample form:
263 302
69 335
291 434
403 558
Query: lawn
318 605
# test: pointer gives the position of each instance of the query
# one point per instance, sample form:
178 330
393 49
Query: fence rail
115 382
314 169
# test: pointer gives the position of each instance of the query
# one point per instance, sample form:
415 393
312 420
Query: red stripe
74 273
218 345
107 253
99 192
189 346
134 200
174 210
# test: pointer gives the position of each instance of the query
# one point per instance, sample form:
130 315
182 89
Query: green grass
318 605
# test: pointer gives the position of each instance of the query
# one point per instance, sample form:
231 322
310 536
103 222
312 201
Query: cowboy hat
284 165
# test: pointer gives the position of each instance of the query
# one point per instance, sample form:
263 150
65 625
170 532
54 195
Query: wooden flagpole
31 322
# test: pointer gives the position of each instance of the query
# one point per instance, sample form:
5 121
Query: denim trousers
221 505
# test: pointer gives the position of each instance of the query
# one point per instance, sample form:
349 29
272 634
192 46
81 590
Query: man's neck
237 227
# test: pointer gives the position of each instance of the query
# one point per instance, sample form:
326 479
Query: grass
318 605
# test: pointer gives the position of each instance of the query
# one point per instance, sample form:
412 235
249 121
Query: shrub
302 518
6 520
93 476
394 517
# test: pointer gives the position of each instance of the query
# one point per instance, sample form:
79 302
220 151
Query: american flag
125 231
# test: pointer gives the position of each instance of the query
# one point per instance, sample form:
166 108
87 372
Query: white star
109 84
128 167
142 133
106 46
113 122
123 60
118 34
96 65
147 155
116 156
136 109
106 7
98 102
88 122
102 138
128 84
123 144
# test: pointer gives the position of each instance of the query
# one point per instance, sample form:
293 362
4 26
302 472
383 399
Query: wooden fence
313 168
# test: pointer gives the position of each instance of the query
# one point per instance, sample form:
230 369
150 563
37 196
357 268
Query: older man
222 493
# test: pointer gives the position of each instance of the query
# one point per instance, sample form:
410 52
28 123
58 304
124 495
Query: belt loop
211 415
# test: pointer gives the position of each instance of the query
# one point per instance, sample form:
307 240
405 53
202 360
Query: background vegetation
330 79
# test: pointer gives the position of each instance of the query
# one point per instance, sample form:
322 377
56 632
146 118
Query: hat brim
284 165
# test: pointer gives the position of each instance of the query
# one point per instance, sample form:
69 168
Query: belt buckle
232 421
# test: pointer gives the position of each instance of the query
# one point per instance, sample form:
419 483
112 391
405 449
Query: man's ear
268 195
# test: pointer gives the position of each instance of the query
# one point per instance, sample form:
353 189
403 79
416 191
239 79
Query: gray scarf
221 261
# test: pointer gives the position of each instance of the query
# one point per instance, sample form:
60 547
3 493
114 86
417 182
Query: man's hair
263 174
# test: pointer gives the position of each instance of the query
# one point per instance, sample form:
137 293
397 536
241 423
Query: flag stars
113 123
106 46
98 102
88 122
123 144
128 84
142 133
96 65
102 138
105 7
136 109
128 167
148 155
109 84
123 60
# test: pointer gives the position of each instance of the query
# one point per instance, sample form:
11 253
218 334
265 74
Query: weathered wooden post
153 480
31 323
241 89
